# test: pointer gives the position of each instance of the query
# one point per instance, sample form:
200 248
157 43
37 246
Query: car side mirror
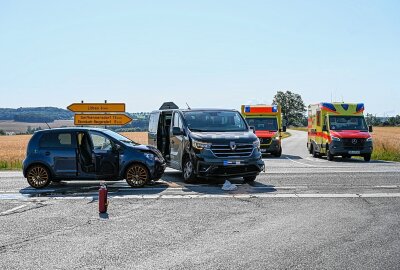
252 128
117 147
370 129
177 131
324 128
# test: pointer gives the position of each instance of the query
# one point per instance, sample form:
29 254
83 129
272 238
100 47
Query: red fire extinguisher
103 203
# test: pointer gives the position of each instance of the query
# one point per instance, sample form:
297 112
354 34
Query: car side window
100 141
57 140
177 121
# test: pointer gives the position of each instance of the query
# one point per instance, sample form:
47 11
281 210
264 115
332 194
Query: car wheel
38 176
278 153
250 179
188 171
137 175
367 158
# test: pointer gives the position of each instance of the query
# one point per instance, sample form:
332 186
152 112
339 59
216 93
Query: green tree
372 120
2 132
293 108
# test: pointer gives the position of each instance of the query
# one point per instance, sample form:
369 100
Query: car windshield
270 124
215 121
119 137
347 123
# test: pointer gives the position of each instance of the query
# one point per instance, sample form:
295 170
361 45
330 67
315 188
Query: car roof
73 129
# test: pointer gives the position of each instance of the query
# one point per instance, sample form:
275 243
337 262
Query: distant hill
35 114
27 120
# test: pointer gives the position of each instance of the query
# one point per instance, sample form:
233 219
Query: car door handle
47 153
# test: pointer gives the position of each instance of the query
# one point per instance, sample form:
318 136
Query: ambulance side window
319 118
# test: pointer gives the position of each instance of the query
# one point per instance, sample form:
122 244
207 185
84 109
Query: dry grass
386 143
13 148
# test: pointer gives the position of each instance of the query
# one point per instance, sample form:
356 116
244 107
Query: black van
206 142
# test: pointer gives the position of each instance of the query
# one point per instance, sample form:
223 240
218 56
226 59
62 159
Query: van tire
188 171
315 154
367 157
38 176
278 153
250 179
329 155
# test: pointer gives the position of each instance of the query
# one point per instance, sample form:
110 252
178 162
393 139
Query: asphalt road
301 213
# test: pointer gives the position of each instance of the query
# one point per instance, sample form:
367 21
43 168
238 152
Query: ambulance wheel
188 171
137 175
314 153
278 153
329 155
367 157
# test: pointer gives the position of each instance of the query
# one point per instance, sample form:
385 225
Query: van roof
198 110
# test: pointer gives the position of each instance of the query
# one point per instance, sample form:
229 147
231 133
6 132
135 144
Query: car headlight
200 145
256 144
369 139
336 139
149 156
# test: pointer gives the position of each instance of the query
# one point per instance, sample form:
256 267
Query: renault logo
233 146
354 141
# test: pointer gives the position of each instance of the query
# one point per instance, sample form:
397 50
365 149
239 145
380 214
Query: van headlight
256 144
200 145
369 139
276 138
335 139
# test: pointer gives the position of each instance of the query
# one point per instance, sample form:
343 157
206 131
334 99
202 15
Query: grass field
13 148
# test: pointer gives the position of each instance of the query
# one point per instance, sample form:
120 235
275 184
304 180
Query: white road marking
207 196
13 210
301 162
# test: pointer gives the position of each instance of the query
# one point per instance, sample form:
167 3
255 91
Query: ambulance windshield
347 123
263 123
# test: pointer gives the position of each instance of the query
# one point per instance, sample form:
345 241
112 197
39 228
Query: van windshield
270 124
347 123
214 121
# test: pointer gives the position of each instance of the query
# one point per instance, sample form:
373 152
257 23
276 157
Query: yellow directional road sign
101 119
97 107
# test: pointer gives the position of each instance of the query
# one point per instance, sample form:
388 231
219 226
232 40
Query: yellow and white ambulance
338 129
266 120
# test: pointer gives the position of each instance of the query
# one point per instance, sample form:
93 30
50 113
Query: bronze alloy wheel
137 175
38 176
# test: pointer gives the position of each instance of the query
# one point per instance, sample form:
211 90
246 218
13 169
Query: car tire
137 175
278 153
188 171
250 179
367 157
38 176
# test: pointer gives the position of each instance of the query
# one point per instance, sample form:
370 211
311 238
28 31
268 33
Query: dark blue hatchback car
89 153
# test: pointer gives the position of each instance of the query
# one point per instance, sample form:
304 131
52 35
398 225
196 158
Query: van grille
224 150
353 143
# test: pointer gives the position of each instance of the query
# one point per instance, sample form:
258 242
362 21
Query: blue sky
205 53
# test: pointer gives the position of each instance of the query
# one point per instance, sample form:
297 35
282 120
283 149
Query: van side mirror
370 129
284 128
252 128
177 131
324 128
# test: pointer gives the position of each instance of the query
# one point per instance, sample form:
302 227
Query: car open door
106 155
176 141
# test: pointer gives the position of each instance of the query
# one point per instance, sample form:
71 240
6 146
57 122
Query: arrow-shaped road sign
101 119
97 107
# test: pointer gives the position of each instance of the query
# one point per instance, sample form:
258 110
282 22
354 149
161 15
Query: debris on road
228 186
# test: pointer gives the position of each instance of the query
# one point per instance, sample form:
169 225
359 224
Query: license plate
354 152
232 162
